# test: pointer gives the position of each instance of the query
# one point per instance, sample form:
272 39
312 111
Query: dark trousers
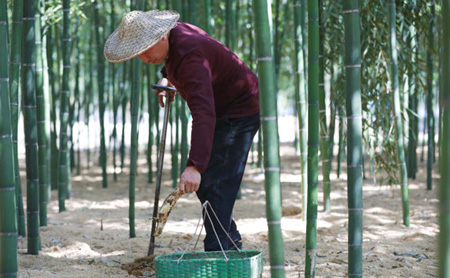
222 178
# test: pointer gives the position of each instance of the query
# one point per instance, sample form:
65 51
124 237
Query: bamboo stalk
313 137
397 112
44 189
300 93
430 97
8 211
354 135
101 93
14 81
323 128
268 112
30 125
444 188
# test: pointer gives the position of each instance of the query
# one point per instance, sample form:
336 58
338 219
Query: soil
91 238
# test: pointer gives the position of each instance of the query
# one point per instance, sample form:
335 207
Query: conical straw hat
137 32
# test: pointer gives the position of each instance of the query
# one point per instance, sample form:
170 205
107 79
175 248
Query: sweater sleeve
194 75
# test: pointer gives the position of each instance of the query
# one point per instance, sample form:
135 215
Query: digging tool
151 247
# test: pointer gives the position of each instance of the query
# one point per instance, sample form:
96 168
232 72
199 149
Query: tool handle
164 88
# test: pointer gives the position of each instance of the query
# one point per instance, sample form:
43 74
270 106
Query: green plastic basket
246 264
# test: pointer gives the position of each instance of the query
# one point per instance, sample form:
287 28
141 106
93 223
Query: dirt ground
91 238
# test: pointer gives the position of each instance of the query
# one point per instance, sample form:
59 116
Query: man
222 95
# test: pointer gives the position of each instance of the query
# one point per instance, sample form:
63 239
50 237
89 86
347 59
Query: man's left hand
190 180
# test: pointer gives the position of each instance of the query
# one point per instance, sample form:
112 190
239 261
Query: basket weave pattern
246 264
137 32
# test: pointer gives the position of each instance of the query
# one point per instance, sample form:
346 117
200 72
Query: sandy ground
91 238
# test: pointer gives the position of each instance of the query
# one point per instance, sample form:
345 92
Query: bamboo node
28 18
354 165
31 144
275 222
29 65
267 58
6 79
8 188
29 106
17 21
313 18
355 244
354 117
350 11
8 234
272 169
2 22
277 266
353 66
357 209
268 118
14 63
66 10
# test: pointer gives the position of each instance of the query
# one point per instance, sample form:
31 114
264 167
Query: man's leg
222 178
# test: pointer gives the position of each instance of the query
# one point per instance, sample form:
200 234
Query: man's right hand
164 82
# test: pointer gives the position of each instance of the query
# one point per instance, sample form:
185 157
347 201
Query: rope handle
206 213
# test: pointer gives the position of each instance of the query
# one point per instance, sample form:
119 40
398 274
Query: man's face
156 54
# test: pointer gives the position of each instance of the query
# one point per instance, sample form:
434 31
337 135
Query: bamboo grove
377 71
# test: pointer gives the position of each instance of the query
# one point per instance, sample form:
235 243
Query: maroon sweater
214 82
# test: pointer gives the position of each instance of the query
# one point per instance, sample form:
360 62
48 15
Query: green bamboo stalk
184 140
151 121
231 30
8 210
354 135
135 94
266 71
53 135
397 112
300 93
101 93
193 15
208 16
430 97
444 155
64 155
122 143
175 141
323 128
88 95
14 81
313 136
340 145
413 101
114 96
44 193
30 124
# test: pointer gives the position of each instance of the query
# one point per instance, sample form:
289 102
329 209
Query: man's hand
164 82
190 180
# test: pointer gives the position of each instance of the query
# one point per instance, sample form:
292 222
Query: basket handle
206 213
